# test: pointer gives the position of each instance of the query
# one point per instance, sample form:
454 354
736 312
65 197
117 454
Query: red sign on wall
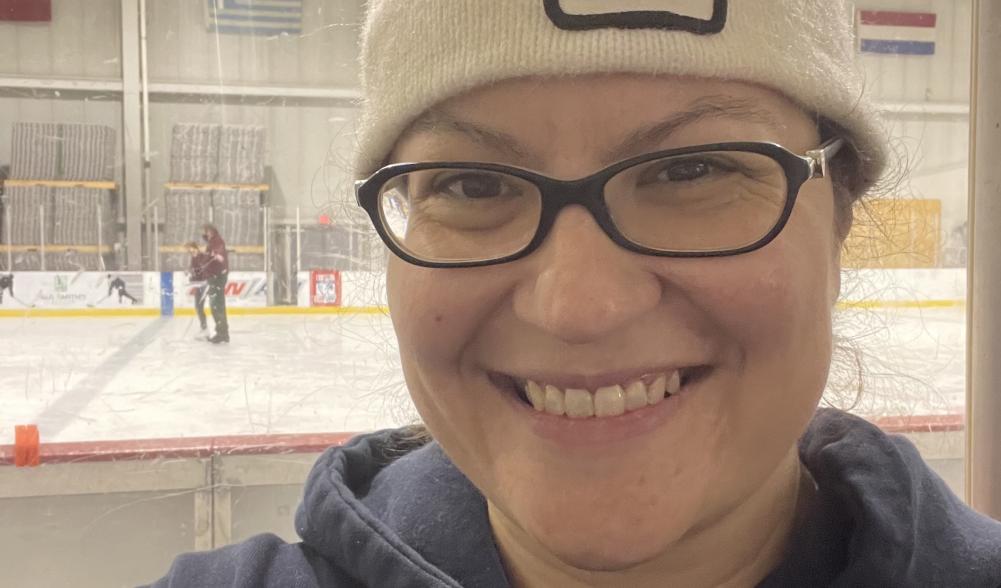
26 10
325 288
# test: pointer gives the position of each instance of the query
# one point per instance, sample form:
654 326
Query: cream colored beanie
417 53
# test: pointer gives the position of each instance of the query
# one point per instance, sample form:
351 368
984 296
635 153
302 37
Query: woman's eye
685 171
473 186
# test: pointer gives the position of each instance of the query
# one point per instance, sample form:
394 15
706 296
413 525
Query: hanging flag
896 33
26 10
254 17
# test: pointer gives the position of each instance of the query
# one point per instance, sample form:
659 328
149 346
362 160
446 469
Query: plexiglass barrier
127 126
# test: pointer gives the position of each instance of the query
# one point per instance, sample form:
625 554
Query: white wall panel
182 49
943 77
932 147
82 40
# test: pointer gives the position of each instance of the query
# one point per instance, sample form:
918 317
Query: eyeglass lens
702 202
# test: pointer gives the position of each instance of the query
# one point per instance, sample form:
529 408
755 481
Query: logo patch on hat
702 17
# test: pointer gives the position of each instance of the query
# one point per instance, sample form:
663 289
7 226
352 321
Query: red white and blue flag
896 33
255 17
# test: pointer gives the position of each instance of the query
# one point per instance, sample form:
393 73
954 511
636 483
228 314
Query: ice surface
85 379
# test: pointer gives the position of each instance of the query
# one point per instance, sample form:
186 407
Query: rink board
71 294
85 291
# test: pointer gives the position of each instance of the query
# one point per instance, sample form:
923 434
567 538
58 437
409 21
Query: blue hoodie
382 512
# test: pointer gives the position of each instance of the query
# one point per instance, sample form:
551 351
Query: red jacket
199 264
219 262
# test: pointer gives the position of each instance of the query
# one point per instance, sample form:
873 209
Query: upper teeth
605 401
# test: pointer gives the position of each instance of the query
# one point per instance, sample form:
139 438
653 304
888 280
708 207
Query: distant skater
119 284
217 273
7 283
198 279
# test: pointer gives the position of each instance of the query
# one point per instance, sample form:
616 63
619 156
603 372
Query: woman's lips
593 418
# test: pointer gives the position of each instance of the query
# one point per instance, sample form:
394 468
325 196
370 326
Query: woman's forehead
621 113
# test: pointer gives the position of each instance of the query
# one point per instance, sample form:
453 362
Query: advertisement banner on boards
325 288
243 290
79 290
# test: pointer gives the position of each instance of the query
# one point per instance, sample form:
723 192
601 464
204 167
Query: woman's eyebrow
707 107
437 121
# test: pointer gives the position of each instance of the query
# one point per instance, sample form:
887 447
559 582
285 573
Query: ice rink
87 379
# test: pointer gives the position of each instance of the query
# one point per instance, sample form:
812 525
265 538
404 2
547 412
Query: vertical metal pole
298 243
267 260
983 321
41 234
288 278
146 157
9 240
132 134
144 82
156 239
100 238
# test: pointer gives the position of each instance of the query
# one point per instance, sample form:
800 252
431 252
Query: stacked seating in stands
237 215
241 154
53 152
76 216
233 155
194 153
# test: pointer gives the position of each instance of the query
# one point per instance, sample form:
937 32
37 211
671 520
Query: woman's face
749 334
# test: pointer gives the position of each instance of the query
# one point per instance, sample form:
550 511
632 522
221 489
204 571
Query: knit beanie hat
417 53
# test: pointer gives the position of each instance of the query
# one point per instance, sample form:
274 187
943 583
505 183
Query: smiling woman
617 240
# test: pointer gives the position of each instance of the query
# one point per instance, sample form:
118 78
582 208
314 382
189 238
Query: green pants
217 302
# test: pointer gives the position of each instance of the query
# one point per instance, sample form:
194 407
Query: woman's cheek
436 312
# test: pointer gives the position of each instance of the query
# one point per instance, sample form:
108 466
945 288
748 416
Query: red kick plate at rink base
183 447
26 453
30 453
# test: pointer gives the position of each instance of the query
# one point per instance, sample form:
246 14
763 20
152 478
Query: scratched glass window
192 306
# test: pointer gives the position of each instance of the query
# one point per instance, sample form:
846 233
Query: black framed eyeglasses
701 201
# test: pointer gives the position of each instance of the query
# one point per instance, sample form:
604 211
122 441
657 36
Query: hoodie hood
394 513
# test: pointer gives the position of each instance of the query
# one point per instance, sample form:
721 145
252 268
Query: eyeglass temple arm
819 158
358 184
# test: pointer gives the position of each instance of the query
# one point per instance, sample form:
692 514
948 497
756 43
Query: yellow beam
230 248
215 186
77 312
373 310
854 304
292 310
96 185
54 248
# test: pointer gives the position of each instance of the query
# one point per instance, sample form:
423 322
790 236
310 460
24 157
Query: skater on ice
118 285
7 284
216 273
198 280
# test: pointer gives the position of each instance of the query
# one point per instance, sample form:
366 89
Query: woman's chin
597 539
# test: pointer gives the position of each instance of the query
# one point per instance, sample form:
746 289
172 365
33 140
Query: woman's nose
584 286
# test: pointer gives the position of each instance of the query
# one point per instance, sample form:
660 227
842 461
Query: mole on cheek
438 318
